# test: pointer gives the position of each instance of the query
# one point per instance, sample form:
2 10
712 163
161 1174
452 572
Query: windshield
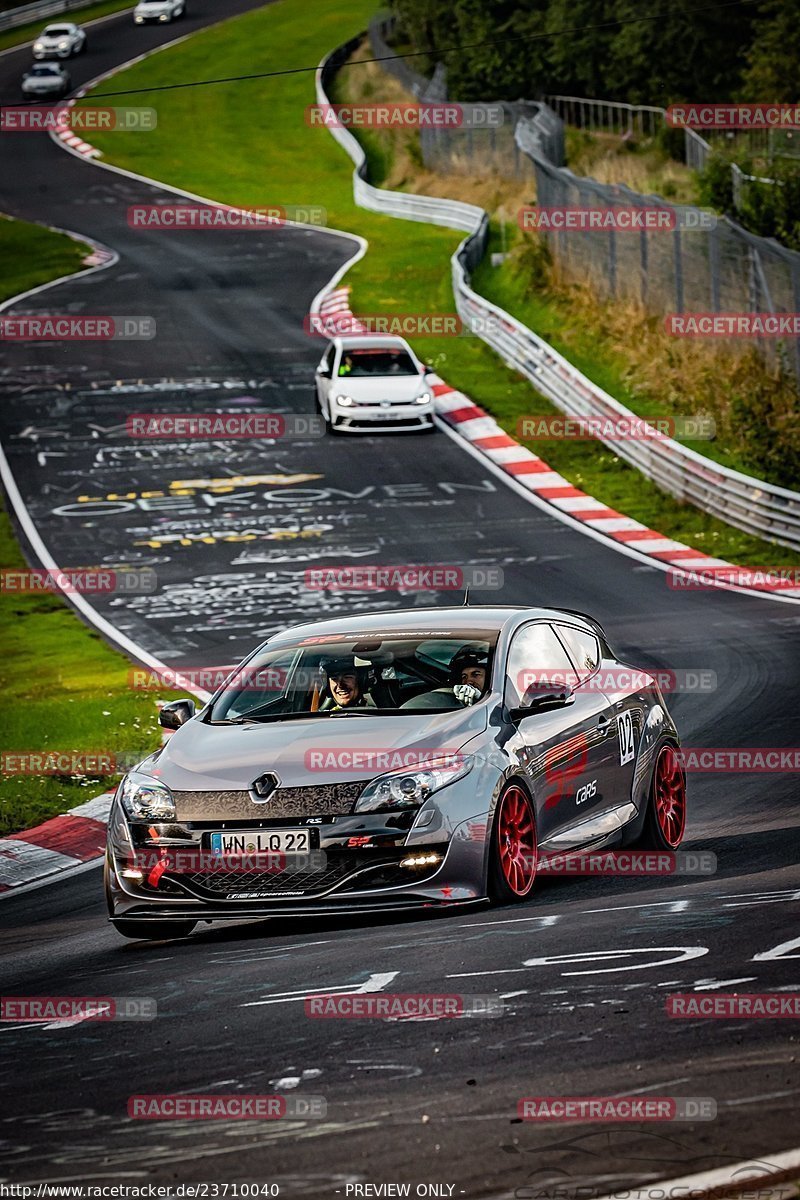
57 31
359 363
358 676
45 69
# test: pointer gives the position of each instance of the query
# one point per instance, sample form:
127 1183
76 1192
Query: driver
347 681
469 668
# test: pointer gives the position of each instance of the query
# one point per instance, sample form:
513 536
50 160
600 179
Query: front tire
665 822
513 849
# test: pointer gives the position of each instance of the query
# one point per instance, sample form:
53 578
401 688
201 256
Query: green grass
26 33
62 687
247 143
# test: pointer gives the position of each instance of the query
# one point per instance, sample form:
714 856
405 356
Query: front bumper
364 877
369 418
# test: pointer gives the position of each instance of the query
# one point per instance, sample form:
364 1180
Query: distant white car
46 80
60 41
365 382
158 10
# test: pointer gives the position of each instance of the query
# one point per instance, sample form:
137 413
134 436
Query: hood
320 750
377 387
43 82
152 6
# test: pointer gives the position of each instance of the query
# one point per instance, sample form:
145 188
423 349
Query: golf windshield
360 676
357 364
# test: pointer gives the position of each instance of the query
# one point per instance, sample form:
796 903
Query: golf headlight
145 799
345 401
410 789
423 398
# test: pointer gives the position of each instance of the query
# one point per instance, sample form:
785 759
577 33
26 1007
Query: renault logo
263 787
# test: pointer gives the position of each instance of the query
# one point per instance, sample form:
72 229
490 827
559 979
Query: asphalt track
407 1101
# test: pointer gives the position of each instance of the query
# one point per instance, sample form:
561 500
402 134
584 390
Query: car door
324 378
564 750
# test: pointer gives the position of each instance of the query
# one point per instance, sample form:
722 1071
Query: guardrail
750 504
35 12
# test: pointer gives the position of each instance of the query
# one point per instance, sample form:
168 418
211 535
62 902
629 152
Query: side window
536 658
584 649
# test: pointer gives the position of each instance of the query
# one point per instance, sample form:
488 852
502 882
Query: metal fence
35 12
743 501
458 150
612 116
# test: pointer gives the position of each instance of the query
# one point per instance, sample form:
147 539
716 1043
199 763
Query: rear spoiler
598 628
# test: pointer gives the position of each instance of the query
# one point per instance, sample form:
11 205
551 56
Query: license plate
261 841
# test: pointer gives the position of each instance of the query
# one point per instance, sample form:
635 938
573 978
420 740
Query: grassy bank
248 143
62 687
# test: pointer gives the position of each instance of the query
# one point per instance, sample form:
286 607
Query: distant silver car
158 10
364 383
45 81
404 760
60 41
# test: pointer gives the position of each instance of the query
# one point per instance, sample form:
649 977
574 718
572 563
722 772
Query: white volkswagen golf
365 382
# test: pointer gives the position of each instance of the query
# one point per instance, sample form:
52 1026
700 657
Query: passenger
347 682
469 669
346 365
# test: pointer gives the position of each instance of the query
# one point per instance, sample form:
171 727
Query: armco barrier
35 12
750 504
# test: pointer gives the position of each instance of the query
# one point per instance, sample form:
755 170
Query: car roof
59 25
370 341
455 620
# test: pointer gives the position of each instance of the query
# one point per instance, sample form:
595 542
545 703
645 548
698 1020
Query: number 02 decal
625 726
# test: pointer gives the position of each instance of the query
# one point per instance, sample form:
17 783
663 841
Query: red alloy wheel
516 841
669 797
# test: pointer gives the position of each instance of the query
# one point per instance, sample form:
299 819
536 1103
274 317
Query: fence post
676 245
713 266
796 306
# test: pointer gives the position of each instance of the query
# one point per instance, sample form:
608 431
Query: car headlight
423 398
63 45
38 45
145 799
345 401
410 789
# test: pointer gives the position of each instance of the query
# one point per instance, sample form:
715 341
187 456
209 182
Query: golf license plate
261 841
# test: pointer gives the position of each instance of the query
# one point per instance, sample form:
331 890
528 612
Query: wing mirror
538 699
176 713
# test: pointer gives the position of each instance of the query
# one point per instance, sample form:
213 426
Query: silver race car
427 758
